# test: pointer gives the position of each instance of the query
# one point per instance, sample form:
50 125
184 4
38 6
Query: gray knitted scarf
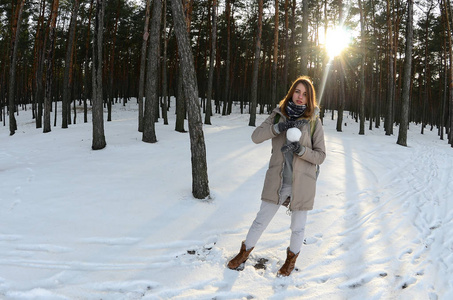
295 111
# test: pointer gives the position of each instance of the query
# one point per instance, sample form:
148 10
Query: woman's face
300 94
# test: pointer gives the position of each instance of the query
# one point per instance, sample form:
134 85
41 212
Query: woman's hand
294 147
283 126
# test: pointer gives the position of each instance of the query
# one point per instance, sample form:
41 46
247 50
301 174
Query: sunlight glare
336 41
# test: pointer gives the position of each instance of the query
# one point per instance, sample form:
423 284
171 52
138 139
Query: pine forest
385 61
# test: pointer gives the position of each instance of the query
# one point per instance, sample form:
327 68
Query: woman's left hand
294 147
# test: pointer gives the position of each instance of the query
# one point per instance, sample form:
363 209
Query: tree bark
362 70
110 88
256 65
304 57
200 188
427 69
286 51
404 121
180 104
164 67
68 62
141 82
86 71
12 72
97 110
390 83
275 60
151 90
40 42
342 81
212 56
49 67
228 58
450 40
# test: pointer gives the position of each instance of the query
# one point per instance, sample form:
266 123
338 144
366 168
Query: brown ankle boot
289 264
240 258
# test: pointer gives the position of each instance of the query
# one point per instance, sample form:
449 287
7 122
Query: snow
293 134
121 223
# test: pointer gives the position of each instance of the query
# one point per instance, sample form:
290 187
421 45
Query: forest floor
121 223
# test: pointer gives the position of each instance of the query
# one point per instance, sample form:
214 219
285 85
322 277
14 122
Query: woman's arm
316 155
265 131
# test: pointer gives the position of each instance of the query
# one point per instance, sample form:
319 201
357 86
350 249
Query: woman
291 177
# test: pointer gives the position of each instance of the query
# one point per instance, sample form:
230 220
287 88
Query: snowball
293 134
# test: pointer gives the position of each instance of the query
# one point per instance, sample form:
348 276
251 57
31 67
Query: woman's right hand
283 126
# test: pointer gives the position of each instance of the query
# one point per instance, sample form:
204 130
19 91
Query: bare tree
390 83
256 64
40 42
304 58
362 69
86 78
426 78
228 58
65 108
97 110
402 134
341 72
49 66
151 90
211 63
164 102
141 82
12 72
286 51
447 9
200 187
275 59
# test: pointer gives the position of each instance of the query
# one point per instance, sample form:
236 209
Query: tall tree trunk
390 83
304 56
68 67
404 121
256 65
151 90
12 71
110 89
49 67
274 66
211 63
450 38
342 81
180 104
40 44
97 110
444 116
200 187
426 80
286 51
141 82
164 67
86 71
228 58
362 69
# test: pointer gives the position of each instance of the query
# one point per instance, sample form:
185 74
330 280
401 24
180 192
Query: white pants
263 218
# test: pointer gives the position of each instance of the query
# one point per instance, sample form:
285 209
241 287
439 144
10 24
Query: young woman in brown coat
293 167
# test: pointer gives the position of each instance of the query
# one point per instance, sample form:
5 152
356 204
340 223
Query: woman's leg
263 218
298 220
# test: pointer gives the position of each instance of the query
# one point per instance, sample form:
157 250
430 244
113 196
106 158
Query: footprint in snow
407 251
313 239
373 234
362 280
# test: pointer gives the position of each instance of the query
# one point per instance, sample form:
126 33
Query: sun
337 40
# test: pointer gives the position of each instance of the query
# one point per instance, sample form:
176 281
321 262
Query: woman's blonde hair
311 96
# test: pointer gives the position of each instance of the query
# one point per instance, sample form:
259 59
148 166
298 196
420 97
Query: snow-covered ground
120 223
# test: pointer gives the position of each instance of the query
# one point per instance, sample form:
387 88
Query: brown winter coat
304 167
